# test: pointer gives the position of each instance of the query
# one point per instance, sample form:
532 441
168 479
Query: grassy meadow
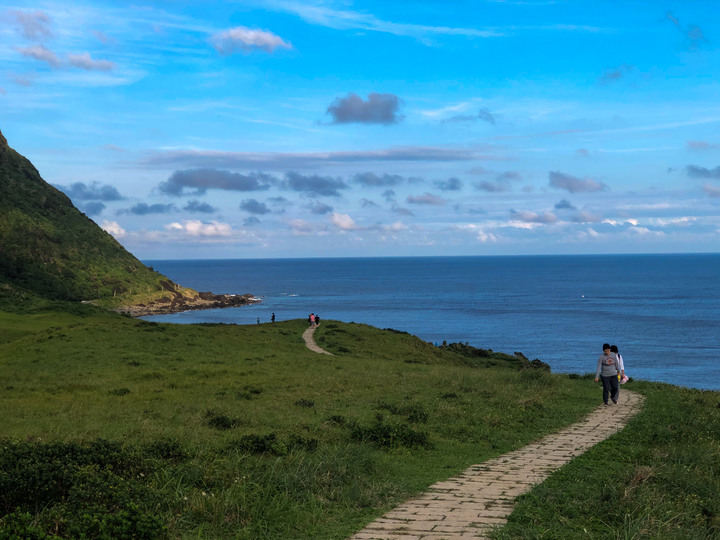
120 428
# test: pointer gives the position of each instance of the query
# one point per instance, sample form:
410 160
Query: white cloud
589 234
194 227
486 238
437 113
301 227
644 232
534 217
343 221
521 225
618 223
246 39
398 226
347 20
113 228
649 206
678 221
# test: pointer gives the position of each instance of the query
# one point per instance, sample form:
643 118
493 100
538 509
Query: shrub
149 326
305 403
76 491
21 525
302 443
168 450
413 412
261 444
400 332
337 419
248 392
220 421
391 436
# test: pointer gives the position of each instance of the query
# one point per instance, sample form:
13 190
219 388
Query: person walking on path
607 368
272 318
621 363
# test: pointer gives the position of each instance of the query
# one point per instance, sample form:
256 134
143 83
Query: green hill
120 428
52 249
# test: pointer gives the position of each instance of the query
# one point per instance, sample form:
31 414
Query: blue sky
284 128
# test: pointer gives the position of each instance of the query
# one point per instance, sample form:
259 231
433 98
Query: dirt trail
310 341
471 504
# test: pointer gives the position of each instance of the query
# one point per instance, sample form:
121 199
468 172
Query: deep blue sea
662 311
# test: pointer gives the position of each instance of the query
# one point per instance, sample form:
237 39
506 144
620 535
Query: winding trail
480 498
310 341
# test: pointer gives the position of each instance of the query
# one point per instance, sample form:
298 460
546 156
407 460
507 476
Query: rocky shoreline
179 302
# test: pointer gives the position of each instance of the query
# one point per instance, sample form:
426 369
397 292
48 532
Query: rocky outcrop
176 302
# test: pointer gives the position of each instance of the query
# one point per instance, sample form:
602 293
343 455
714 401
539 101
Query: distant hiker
311 320
258 320
607 368
272 318
621 364
317 320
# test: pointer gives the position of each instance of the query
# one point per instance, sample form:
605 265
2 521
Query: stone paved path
472 503
310 341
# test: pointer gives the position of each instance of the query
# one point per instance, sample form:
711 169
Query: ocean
662 311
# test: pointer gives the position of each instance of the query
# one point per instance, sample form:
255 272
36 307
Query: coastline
180 303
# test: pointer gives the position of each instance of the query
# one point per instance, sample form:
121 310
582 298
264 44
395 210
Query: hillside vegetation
224 431
51 249
120 428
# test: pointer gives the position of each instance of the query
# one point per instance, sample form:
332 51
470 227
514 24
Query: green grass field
120 428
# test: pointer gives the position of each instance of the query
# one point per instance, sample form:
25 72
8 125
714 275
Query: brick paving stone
481 498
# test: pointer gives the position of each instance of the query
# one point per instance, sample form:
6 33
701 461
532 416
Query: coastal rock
204 300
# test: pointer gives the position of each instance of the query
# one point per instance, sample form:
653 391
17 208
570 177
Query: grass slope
50 249
241 431
115 427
